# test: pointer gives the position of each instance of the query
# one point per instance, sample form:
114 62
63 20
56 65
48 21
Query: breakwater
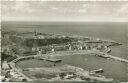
117 58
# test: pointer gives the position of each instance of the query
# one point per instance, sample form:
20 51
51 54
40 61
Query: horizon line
54 21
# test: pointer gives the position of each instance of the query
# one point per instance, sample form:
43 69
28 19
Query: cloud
82 10
85 5
16 8
123 11
63 10
22 7
53 8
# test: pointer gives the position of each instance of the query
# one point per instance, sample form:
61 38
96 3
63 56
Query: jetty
105 55
118 58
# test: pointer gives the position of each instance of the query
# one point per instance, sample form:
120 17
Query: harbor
50 52
43 57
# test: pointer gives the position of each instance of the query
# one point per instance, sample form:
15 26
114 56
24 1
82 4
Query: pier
118 58
105 55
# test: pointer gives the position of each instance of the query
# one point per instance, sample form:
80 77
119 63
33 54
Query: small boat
97 71
50 59
54 60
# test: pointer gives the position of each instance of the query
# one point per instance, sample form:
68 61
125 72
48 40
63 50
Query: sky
65 11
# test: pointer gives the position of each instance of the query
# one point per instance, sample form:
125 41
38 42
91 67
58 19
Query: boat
97 71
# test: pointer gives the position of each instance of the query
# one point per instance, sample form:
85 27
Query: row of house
67 47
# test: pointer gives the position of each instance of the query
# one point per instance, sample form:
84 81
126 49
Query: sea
117 31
